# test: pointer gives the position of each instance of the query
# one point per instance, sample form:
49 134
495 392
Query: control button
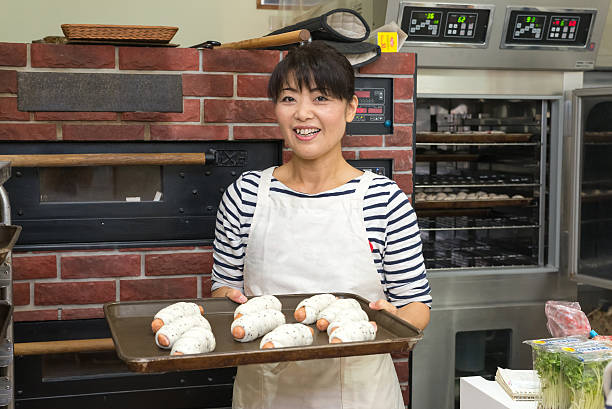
413 21
518 25
471 26
388 123
462 33
469 33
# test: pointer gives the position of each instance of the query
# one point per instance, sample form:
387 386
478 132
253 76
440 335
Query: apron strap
264 184
364 184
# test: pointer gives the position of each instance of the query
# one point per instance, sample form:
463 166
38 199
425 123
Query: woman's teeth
308 131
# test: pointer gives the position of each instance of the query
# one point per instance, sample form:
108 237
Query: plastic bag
566 318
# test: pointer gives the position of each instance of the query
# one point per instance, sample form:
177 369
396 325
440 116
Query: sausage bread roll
287 335
353 331
256 304
196 340
170 333
174 311
348 309
250 326
307 310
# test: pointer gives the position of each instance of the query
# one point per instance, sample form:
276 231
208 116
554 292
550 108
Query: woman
314 225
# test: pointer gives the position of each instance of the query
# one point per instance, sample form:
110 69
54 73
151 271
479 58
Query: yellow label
568 349
539 342
387 41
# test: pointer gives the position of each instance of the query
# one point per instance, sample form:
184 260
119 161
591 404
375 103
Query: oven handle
66 346
109 159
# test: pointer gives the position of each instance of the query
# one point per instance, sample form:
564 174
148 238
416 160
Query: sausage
345 310
353 331
287 335
174 311
308 309
250 326
170 333
256 304
196 340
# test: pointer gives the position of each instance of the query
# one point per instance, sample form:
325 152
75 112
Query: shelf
471 204
535 226
478 185
446 157
472 137
419 143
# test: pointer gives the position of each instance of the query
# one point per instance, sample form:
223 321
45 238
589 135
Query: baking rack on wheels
8 237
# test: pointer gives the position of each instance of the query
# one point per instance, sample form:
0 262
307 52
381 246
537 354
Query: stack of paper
518 383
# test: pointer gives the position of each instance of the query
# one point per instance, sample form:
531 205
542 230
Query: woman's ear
351 108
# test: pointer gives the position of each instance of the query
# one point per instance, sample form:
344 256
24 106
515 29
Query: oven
493 90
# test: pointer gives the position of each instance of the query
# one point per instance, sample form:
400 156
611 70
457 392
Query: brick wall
224 98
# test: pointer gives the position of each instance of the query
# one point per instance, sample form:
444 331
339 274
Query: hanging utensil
277 40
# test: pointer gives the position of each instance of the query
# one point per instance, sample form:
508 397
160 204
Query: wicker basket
158 34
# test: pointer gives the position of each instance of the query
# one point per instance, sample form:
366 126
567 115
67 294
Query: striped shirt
390 221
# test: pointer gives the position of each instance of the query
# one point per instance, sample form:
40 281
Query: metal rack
6 298
480 182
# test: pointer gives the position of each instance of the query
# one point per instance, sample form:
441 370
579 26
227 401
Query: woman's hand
230 293
384 305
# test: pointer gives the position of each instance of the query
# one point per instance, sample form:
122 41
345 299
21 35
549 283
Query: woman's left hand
384 305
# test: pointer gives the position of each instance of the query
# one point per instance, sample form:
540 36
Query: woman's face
312 123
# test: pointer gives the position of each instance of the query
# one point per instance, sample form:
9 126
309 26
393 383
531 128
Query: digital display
362 94
375 110
529 27
425 23
461 25
362 110
563 28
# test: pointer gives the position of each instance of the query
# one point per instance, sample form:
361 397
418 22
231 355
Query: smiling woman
318 225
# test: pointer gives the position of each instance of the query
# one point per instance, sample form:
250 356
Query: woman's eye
321 98
287 99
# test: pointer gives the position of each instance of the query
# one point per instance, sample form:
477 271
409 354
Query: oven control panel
374 112
527 27
456 23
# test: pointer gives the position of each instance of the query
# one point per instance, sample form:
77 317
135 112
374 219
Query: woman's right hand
231 293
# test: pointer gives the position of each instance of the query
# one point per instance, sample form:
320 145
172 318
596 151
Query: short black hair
317 63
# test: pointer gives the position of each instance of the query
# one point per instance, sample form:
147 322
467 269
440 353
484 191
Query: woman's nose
303 110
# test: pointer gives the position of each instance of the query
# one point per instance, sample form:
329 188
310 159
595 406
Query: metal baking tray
470 204
130 325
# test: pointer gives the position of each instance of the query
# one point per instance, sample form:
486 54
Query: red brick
403 88
30 267
391 63
205 248
208 85
36 315
178 263
189 132
253 86
402 136
402 159
257 132
103 132
150 58
404 181
362 140
14 55
239 60
72 56
206 284
76 116
246 111
191 113
8 81
82 313
77 292
158 289
100 266
28 132
21 293
9 112
403 371
403 112
349 155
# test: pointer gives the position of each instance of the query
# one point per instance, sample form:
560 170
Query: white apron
314 245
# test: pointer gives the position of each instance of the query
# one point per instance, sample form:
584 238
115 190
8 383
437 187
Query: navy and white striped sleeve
403 263
229 246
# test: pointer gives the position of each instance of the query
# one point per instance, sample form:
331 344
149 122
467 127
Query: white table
475 392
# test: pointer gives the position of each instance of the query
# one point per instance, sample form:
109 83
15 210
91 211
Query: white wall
22 21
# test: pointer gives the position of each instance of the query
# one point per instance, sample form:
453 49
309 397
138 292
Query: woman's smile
306 133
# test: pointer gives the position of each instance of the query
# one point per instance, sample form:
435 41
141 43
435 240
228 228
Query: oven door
590 191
